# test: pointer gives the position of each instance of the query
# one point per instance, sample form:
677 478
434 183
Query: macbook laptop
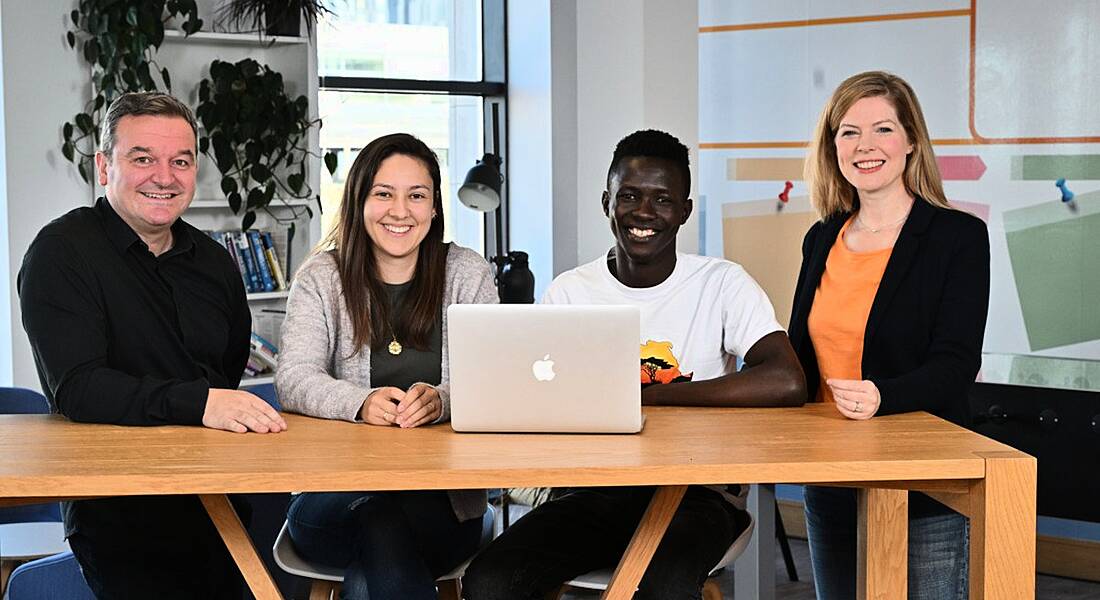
544 368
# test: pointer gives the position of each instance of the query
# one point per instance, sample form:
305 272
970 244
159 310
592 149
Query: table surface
49 456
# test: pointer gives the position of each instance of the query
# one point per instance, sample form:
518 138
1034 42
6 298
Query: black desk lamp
481 192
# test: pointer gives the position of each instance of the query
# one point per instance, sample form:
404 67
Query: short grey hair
136 104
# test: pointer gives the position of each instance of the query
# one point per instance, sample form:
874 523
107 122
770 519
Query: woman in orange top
889 311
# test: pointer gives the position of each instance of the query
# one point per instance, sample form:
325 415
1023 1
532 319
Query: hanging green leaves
118 39
257 135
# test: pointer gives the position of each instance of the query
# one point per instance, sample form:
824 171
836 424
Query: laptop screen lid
544 368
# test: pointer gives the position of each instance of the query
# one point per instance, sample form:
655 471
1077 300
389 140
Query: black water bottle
515 280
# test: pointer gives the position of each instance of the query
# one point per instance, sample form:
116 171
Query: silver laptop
544 368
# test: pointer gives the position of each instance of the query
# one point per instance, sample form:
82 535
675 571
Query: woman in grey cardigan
365 340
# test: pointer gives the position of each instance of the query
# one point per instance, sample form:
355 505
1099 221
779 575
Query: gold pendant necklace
395 347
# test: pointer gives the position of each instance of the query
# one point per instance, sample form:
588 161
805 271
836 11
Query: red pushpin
784 196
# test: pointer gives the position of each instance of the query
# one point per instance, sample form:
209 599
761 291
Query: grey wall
583 74
637 68
43 84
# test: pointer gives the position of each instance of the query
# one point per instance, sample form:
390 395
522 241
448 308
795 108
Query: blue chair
49 578
266 392
21 401
33 530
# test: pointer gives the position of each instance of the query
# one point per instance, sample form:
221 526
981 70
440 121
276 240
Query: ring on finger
859 406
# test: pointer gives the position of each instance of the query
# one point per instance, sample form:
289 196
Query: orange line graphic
977 139
908 16
761 145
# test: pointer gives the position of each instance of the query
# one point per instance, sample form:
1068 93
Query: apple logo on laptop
544 369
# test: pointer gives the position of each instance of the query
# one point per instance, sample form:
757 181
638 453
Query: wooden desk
49 457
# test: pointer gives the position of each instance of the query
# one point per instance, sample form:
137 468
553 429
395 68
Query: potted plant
273 17
119 39
256 135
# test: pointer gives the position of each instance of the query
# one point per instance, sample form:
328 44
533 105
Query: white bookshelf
188 59
233 39
248 382
262 296
276 203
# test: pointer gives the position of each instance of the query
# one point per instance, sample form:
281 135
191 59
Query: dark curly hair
654 144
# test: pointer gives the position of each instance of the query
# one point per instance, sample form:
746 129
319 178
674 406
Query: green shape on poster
1055 254
1041 167
1055 372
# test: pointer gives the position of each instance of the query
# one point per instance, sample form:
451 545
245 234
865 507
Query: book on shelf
282 239
263 356
257 247
260 344
267 324
273 260
225 240
254 368
258 256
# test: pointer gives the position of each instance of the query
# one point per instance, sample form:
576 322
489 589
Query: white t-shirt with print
708 313
695 324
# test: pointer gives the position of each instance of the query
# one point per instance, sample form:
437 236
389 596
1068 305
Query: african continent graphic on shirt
659 364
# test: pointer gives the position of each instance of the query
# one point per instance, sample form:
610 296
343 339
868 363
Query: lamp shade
481 190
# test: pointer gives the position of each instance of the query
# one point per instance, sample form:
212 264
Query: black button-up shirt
125 337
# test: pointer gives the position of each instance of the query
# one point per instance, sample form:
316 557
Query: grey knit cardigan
319 373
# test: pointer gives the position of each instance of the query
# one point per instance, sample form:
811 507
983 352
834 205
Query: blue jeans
587 529
390 544
939 541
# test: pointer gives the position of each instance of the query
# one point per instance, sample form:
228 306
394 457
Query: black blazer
922 346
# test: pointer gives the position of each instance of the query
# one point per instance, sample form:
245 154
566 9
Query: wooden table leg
883 544
624 582
240 546
1002 528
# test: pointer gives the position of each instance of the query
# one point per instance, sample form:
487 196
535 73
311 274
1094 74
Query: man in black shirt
137 318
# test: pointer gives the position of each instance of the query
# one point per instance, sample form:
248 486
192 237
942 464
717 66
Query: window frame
492 89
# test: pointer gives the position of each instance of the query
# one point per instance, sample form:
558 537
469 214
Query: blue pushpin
1067 195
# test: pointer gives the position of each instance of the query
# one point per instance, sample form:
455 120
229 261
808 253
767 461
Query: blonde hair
830 192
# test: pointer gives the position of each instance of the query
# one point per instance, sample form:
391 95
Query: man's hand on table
239 411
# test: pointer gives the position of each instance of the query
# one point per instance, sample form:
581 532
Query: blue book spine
261 260
250 266
231 246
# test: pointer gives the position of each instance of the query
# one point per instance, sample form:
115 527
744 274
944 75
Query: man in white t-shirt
699 315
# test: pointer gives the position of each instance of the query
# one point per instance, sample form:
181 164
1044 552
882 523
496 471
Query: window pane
402 39
449 125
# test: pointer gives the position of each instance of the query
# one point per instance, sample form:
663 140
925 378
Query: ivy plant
256 135
119 40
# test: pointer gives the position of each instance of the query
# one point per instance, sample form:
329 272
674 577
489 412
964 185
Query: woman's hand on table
420 405
855 399
381 406
393 406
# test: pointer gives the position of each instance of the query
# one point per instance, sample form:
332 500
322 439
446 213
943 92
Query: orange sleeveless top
842 303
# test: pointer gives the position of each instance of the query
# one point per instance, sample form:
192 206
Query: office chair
326 580
33 530
49 578
266 392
